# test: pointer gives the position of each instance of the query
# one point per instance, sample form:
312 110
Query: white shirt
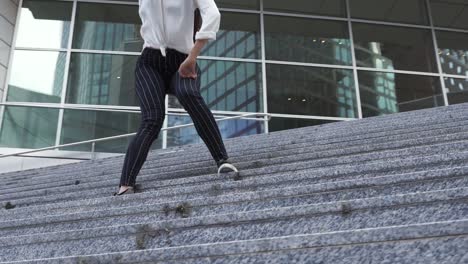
169 23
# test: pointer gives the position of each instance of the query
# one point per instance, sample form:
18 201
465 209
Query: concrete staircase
390 189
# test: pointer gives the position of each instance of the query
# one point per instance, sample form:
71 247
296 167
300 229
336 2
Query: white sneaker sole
228 166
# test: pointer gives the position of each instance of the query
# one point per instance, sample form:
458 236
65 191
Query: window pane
229 129
284 123
102 79
36 76
81 125
107 27
457 90
389 47
450 13
387 93
241 4
29 127
328 7
44 24
407 11
229 86
307 40
238 37
311 91
453 52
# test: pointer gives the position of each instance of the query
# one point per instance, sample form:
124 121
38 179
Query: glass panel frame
37 27
387 93
229 86
329 43
408 11
450 13
457 90
239 37
453 52
394 48
109 27
81 125
316 91
102 79
36 76
28 127
239 4
336 8
228 129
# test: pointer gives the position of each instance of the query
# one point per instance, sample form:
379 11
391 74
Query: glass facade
228 129
305 62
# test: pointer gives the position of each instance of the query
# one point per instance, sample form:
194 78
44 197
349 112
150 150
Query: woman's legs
188 92
150 88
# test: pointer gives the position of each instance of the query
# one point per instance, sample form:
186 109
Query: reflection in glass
311 91
450 13
107 27
327 8
283 123
102 79
44 24
388 93
457 90
453 52
240 4
389 47
81 125
307 40
238 37
29 127
36 76
229 86
229 129
407 11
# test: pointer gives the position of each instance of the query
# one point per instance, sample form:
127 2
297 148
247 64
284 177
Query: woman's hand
188 68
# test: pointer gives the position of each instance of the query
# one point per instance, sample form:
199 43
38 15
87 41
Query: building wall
8 11
303 62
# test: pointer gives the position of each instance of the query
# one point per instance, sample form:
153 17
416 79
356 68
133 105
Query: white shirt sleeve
211 19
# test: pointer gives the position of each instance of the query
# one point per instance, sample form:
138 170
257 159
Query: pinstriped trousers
155 77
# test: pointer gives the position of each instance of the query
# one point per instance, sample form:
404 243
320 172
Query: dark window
389 47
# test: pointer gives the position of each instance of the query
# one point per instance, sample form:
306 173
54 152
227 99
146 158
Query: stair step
268 167
427 243
161 208
391 189
320 151
307 176
269 138
435 206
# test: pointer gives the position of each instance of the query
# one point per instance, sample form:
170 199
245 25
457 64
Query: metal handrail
93 141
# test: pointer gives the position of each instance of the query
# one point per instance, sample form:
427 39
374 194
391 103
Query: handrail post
93 153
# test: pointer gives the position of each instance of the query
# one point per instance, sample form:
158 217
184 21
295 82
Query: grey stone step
266 136
191 160
53 180
428 243
418 208
64 179
149 208
297 174
257 167
405 120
